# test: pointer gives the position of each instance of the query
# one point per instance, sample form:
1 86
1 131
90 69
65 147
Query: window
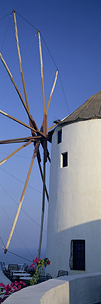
59 136
77 258
64 159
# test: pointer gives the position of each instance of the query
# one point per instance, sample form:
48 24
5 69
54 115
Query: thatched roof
90 109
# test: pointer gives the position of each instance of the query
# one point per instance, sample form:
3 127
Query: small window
77 258
59 136
64 159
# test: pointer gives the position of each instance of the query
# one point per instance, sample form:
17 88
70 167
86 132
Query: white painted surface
85 289
75 196
4 279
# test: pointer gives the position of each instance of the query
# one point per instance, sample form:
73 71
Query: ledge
84 288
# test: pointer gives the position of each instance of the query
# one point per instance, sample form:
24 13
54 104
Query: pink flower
36 260
15 283
49 262
22 283
7 292
15 289
6 287
19 287
2 285
32 265
33 261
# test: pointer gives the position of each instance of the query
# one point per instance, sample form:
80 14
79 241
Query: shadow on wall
59 247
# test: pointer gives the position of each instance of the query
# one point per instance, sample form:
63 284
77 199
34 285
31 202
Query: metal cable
20 180
19 256
6 32
27 21
64 94
22 208
5 16
16 230
17 73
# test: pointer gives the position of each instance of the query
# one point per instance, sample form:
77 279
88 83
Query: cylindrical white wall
75 196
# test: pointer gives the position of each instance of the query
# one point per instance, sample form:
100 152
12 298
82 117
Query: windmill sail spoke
23 124
22 196
11 77
20 122
41 63
20 140
48 156
10 155
43 179
20 63
43 208
52 127
52 91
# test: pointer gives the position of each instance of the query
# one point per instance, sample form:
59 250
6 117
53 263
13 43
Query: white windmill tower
74 220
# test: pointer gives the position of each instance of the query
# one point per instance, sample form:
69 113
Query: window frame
63 161
77 258
59 136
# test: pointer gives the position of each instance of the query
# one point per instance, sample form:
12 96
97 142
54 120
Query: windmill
38 137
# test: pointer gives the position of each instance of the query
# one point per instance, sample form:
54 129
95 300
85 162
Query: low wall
80 289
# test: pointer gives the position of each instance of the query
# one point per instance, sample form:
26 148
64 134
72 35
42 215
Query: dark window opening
77 259
59 136
64 159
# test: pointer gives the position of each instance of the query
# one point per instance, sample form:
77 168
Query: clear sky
72 32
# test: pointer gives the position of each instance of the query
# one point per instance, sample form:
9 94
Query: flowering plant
38 265
6 290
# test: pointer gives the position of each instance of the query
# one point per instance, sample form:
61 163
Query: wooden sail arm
22 196
20 140
52 127
47 195
52 91
33 125
14 152
11 77
23 124
43 208
42 78
17 120
20 63
48 156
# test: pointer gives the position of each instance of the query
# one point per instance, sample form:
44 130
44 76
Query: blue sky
72 33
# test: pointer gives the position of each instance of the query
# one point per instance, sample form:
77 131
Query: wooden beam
22 196
41 63
20 140
10 155
17 120
20 63
11 77
23 124
51 127
47 195
43 209
52 91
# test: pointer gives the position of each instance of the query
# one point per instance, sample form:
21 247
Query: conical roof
90 109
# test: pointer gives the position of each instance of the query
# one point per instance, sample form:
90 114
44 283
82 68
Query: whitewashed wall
75 196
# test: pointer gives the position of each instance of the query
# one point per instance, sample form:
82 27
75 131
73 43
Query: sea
20 255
